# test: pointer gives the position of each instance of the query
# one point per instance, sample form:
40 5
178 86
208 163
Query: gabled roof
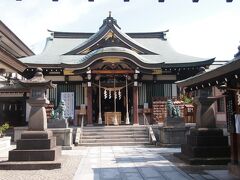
71 48
109 26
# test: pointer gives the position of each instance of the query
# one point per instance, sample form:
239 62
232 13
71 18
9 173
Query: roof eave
203 63
210 75
15 40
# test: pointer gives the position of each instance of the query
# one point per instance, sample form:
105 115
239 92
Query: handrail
81 128
79 133
145 119
151 135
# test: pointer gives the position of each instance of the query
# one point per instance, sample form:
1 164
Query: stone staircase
114 136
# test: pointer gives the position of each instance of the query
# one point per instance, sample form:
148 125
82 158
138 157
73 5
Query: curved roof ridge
97 37
71 34
134 41
114 49
47 44
131 55
109 24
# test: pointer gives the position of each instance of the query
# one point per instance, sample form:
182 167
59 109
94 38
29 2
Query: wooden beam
89 106
11 61
112 72
135 105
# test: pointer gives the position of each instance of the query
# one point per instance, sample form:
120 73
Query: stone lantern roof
38 81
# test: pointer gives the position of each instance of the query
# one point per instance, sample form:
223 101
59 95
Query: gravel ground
69 166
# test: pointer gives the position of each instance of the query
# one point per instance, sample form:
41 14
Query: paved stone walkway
115 163
127 163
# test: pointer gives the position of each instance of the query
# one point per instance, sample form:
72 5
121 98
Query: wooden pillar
234 148
135 105
89 106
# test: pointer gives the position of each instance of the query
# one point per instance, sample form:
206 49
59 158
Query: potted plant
3 128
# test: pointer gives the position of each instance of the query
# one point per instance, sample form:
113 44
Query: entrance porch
112 100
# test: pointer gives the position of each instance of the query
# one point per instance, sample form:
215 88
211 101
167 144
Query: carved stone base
56 123
35 146
174 122
30 165
35 155
63 136
173 133
205 146
172 136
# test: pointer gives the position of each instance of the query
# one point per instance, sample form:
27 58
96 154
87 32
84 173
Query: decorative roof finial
110 21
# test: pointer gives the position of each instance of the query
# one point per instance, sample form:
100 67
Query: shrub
3 128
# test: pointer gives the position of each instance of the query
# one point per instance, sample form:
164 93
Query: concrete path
126 163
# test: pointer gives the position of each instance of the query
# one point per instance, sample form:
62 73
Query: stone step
29 144
35 154
115 144
113 136
114 129
115 140
114 133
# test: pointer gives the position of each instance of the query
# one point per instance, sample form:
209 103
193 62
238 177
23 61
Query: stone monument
205 143
37 147
58 119
172 134
59 126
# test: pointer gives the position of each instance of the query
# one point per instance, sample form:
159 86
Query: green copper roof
149 48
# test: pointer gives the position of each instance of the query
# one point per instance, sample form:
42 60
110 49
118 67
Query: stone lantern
37 144
38 101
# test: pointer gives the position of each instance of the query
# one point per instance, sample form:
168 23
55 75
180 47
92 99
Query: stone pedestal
205 146
35 150
206 143
173 132
174 122
36 146
63 136
56 123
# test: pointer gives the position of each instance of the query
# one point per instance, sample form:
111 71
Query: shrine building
12 100
111 73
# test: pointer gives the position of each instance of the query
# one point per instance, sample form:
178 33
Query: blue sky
209 28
